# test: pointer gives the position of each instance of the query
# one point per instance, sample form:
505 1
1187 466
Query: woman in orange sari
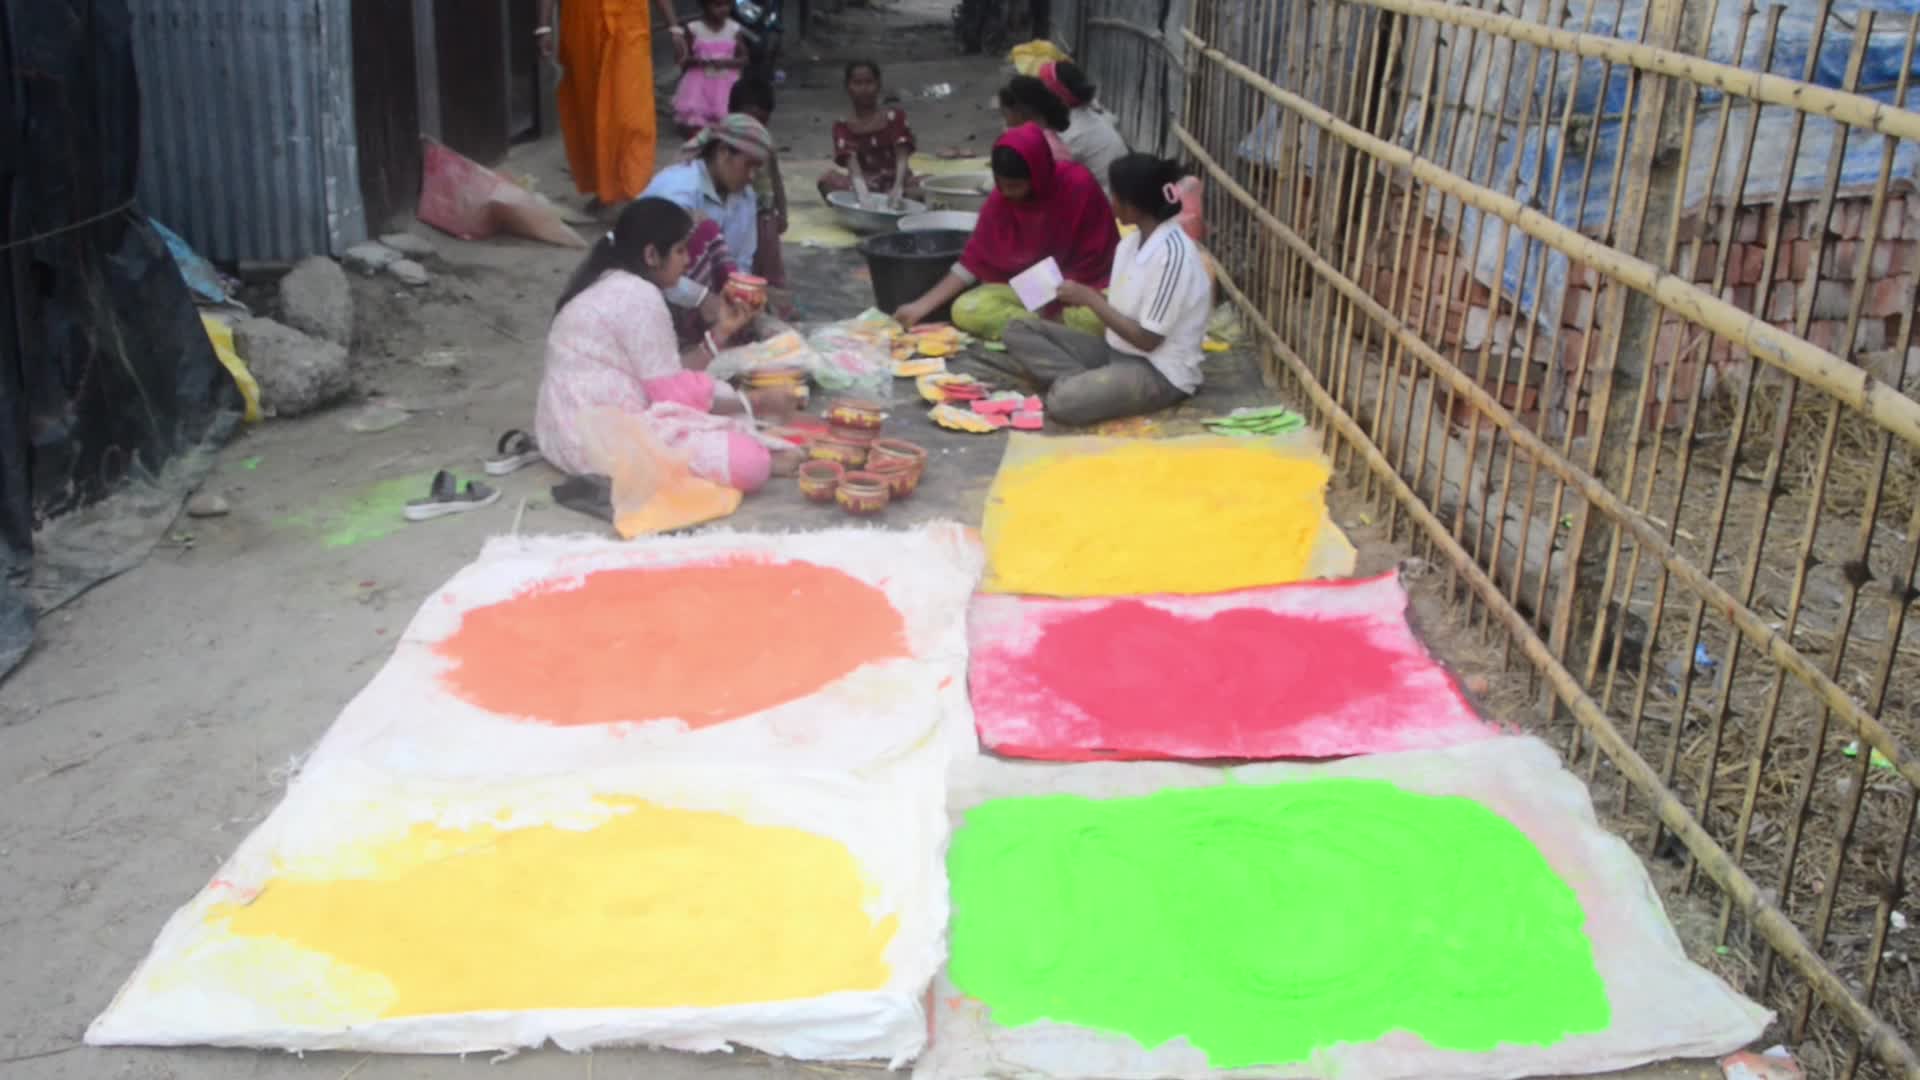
605 51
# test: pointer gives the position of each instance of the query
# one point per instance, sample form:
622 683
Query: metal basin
960 191
872 218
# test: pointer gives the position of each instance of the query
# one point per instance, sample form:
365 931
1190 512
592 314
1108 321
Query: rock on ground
408 272
316 299
413 247
208 505
297 373
369 258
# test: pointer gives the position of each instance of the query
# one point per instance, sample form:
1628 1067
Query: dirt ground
161 714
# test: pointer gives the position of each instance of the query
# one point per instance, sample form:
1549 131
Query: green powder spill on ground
1265 923
368 514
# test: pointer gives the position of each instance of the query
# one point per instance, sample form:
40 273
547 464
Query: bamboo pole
1880 1038
1854 110
1763 637
1882 404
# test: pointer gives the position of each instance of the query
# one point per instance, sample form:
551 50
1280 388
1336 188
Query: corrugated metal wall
247 125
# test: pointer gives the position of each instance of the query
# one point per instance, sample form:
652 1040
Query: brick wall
1433 288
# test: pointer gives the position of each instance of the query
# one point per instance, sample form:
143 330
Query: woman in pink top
612 346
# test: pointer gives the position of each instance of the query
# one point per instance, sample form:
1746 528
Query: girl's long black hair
645 223
1075 81
1031 95
1141 181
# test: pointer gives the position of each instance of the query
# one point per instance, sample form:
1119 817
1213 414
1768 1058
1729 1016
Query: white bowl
955 220
959 191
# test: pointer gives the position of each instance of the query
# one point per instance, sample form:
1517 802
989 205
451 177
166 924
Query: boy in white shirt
1155 313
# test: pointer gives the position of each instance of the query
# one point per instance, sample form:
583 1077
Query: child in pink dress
711 51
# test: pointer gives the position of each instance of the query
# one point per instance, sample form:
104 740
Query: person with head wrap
1040 209
713 181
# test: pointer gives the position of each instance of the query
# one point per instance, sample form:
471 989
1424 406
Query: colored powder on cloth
1151 517
653 908
1264 923
703 644
1248 683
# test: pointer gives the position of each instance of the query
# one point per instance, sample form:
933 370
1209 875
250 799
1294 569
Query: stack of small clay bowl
789 377
856 468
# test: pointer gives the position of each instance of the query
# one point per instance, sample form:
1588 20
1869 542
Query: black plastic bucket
904 265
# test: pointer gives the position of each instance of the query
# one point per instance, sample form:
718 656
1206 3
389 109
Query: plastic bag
472 202
653 490
221 334
856 355
787 349
1193 208
1029 57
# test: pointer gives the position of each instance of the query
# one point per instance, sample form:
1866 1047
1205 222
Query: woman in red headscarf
1040 209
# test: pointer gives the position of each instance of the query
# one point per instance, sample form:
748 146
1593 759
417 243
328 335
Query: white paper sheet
1038 285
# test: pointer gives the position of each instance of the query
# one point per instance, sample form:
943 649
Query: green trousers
985 310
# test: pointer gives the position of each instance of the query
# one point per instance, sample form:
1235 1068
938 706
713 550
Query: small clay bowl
783 375
820 479
856 436
863 493
746 290
844 454
857 413
897 448
799 437
902 476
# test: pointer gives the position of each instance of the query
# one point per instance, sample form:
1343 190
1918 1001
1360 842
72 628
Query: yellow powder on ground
1155 517
654 908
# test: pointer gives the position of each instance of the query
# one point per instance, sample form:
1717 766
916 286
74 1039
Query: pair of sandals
515 451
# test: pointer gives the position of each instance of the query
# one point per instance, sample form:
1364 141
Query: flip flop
515 451
589 495
446 496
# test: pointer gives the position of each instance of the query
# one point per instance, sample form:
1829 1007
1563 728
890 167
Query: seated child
612 346
754 97
872 146
1155 313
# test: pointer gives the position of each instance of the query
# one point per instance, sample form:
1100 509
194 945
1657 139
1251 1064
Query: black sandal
515 451
446 496
589 495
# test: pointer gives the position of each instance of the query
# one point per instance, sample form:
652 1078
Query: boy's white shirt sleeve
1163 298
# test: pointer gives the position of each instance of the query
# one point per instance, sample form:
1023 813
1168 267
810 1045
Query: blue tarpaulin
1489 94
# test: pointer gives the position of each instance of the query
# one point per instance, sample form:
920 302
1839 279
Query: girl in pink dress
711 51
612 346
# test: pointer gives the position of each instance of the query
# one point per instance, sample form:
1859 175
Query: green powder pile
1265 923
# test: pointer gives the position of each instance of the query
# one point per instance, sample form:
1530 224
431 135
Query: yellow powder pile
654 908
1155 517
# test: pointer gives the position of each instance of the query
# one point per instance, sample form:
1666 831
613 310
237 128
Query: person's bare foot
772 403
787 462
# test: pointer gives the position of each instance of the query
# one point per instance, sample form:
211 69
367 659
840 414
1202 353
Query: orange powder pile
655 908
703 644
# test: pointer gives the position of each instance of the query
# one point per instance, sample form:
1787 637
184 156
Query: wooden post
1632 318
